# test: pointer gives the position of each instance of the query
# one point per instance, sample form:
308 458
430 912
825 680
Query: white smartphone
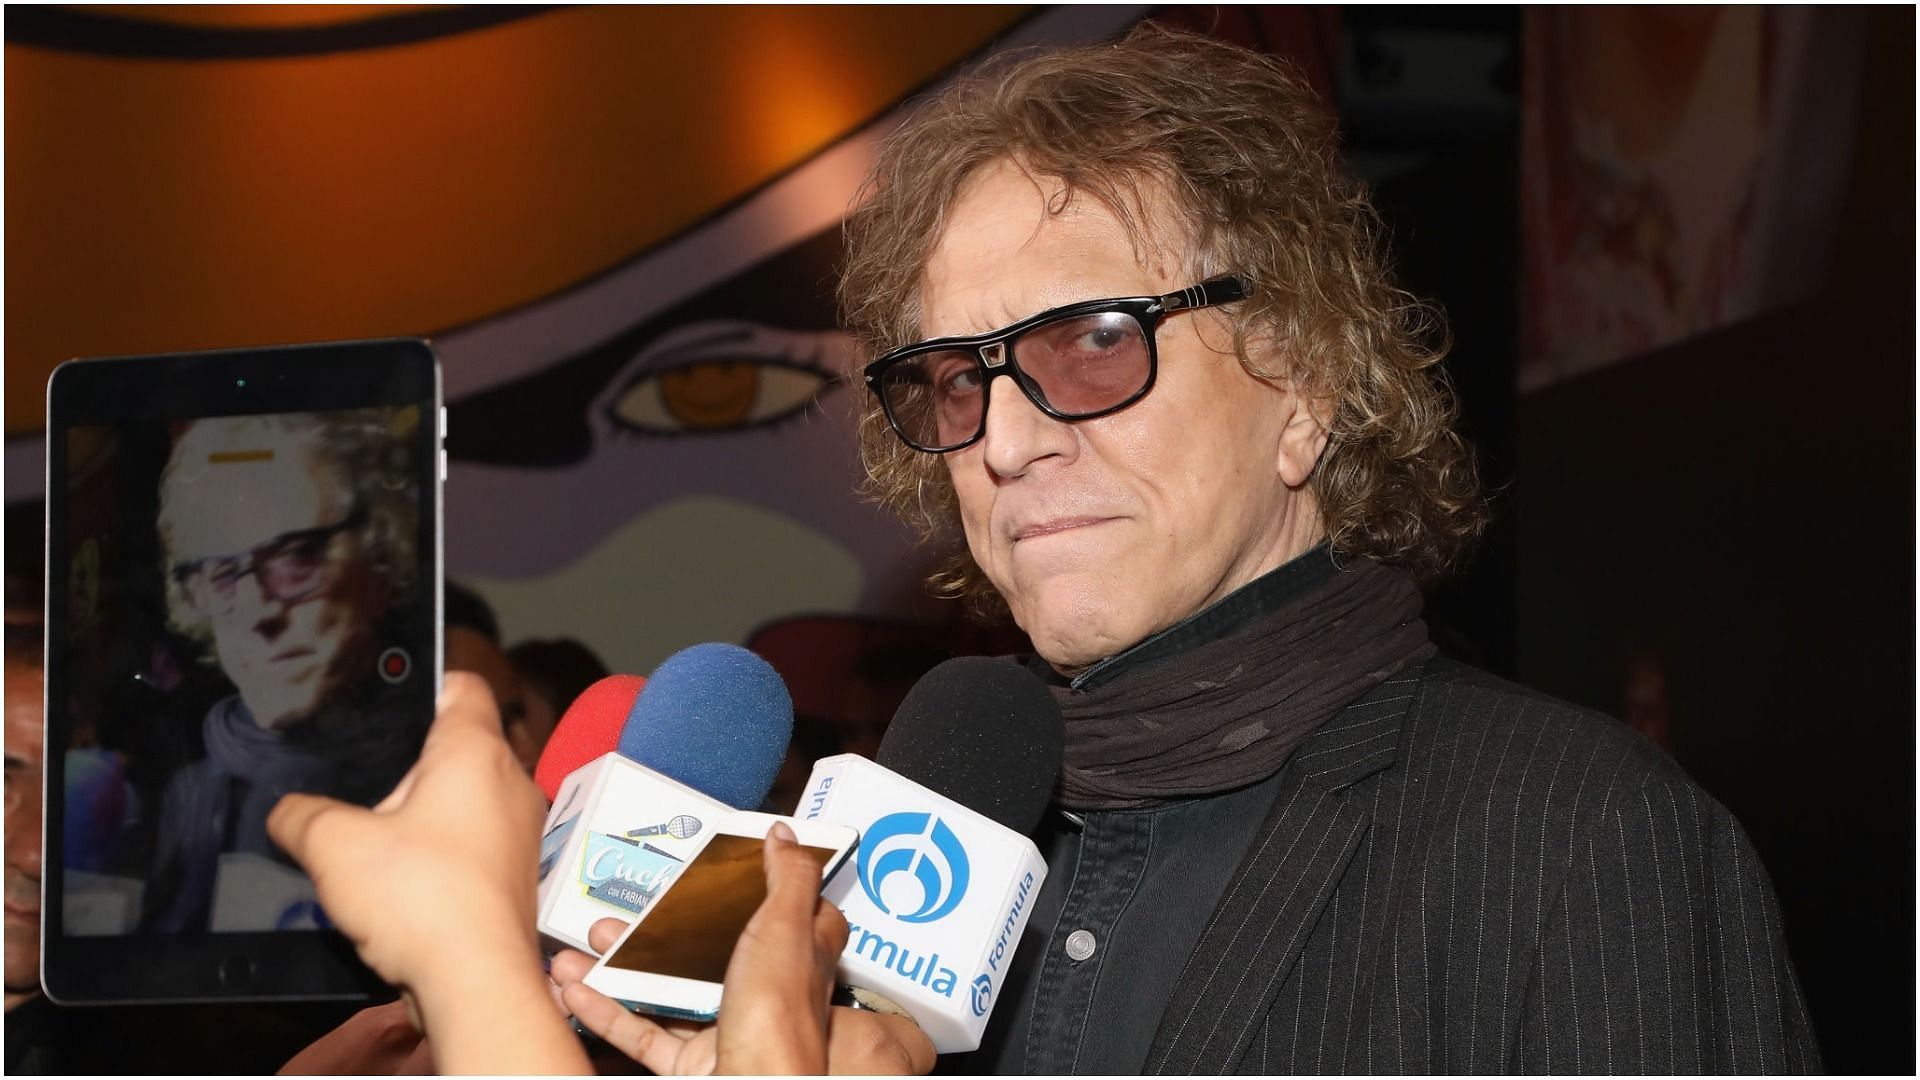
672 961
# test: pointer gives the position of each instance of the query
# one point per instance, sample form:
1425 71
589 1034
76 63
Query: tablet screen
248 613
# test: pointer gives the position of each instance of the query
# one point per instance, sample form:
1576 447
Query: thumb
605 933
307 826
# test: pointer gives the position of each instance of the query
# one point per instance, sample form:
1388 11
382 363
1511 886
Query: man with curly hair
1291 837
288 539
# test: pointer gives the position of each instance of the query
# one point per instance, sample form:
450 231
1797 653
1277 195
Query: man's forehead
231 494
1011 200
1016 243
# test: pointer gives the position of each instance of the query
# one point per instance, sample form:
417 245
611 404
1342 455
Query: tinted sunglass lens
935 398
295 572
1086 364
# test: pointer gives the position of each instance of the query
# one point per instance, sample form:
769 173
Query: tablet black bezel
207 966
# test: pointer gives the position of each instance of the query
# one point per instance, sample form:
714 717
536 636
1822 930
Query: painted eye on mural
712 378
717 395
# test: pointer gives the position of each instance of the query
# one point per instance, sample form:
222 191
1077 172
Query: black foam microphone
945 875
983 732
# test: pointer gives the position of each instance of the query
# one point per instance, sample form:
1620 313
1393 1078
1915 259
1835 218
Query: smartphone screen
689 933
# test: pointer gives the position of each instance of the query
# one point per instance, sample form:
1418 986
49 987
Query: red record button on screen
395 664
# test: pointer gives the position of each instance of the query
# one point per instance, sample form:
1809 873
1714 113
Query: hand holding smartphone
673 961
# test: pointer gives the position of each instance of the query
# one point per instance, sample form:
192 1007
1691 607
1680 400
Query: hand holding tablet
437 867
463 818
435 888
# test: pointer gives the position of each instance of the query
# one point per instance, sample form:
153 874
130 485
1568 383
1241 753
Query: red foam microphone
589 728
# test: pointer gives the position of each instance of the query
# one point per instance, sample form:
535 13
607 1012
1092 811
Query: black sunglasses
1074 363
291 567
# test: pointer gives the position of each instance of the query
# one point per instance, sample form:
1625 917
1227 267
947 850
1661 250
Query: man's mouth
1057 525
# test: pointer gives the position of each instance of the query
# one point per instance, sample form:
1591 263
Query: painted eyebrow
682 350
666 359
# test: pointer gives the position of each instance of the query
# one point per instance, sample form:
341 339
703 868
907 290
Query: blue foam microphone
716 718
704 736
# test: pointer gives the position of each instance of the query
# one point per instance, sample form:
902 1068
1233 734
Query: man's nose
1018 434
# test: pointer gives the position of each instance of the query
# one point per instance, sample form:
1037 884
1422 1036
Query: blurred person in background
553 672
813 739
472 638
848 675
882 676
28 1047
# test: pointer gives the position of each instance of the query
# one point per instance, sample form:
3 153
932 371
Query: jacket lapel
1263 921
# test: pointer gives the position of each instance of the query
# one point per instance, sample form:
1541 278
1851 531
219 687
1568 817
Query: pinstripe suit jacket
1461 875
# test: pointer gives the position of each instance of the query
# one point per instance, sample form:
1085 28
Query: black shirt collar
1258 598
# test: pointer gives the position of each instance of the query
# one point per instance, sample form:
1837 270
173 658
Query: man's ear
1304 438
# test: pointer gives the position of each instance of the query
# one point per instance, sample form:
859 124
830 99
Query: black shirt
1128 892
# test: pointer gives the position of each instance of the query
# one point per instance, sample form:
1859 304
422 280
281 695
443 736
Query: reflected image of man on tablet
286 540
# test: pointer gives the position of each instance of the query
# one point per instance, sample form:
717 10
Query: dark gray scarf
1227 713
359 758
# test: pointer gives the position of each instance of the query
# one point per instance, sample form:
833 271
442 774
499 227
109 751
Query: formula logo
817 801
983 982
913 847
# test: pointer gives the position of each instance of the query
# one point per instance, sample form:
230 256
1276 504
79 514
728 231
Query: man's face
290 639
23 743
1100 533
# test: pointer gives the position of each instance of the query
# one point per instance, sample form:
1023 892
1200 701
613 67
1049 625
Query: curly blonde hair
1240 147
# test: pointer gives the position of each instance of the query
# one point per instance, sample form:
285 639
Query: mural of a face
687 480
665 454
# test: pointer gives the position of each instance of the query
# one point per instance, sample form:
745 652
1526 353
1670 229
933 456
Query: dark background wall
1720 533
